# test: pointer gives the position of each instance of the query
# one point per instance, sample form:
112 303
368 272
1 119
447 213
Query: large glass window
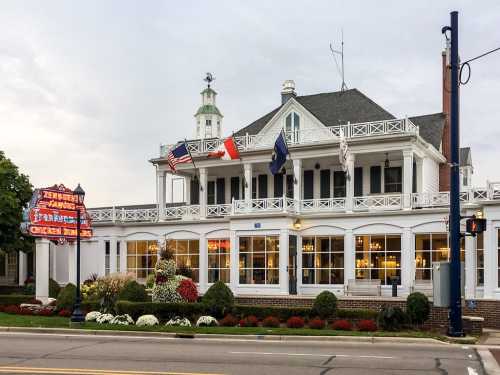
259 260
429 248
218 260
480 259
141 258
323 260
187 253
378 257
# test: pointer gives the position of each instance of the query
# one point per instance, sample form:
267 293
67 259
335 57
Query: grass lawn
10 320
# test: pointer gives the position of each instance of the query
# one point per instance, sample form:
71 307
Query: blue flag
279 154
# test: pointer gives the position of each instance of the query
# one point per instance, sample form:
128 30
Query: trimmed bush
15 299
271 322
342 325
295 322
418 308
367 325
249 321
134 292
228 321
325 305
218 299
316 323
66 297
356 314
261 312
163 311
54 288
392 318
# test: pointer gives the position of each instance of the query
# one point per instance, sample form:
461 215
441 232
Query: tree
15 193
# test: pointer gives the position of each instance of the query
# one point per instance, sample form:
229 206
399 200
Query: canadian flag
226 151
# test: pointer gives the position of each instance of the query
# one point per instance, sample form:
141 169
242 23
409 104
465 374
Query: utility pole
455 328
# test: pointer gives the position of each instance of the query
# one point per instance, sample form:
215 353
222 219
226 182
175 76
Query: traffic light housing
475 225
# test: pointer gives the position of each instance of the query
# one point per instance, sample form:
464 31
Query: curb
489 362
207 336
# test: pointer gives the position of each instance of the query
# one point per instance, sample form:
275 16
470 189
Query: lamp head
80 194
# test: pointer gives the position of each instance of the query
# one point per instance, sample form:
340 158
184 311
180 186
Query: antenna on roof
341 53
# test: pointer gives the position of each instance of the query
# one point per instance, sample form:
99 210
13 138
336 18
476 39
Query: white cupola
208 116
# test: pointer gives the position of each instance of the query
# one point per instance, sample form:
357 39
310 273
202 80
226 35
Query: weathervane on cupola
208 117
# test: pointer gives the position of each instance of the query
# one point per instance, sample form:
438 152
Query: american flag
179 155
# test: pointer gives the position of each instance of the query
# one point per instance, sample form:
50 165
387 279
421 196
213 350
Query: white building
310 228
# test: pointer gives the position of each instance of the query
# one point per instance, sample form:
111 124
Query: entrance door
292 264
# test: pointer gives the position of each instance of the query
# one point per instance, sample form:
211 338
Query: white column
317 183
160 177
53 261
203 192
123 256
187 190
23 267
350 183
490 260
297 180
407 178
112 254
283 271
247 183
420 176
349 256
299 264
42 269
102 257
72 263
470 267
407 260
234 255
203 264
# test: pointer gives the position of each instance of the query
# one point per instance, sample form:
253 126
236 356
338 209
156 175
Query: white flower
104 318
147 320
181 322
125 319
92 316
167 292
206 321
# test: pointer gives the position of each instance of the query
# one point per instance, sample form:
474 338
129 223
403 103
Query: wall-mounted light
387 163
317 166
297 224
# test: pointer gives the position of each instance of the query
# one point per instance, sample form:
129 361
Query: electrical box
441 283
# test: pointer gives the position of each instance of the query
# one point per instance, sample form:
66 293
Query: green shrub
54 288
163 311
150 280
356 314
66 297
262 312
14 299
391 318
325 305
134 292
418 308
218 299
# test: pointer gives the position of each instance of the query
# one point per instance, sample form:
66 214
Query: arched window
292 127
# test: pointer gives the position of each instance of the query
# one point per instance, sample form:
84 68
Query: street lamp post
77 316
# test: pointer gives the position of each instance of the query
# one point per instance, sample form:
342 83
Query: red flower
295 322
12 309
342 325
249 321
317 323
25 311
271 321
228 321
64 313
160 279
187 290
367 325
45 312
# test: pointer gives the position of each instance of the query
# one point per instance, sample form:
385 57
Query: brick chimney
444 169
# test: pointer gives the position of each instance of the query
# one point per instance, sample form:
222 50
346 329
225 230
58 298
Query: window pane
308 276
225 261
244 244
245 276
272 260
259 260
337 244
393 243
213 261
213 246
259 276
338 260
245 260
308 260
194 247
272 244
273 276
259 244
337 276
422 241
323 276
182 247
131 247
439 241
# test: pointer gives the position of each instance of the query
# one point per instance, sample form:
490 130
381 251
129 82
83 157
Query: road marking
79 371
471 371
314 355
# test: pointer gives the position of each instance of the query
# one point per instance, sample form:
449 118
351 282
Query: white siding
430 176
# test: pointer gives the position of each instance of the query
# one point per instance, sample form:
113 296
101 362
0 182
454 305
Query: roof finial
209 78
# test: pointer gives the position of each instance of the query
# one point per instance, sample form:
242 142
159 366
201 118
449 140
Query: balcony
304 136
265 206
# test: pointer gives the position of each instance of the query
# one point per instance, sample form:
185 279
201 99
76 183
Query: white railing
378 202
322 205
219 210
307 206
304 136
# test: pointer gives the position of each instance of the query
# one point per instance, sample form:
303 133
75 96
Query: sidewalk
490 356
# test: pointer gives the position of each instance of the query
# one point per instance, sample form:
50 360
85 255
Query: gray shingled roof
465 157
430 127
331 109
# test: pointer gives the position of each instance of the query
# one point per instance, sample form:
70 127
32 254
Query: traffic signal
475 225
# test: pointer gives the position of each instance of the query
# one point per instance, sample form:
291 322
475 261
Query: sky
89 89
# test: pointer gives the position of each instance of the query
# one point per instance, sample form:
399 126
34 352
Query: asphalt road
93 355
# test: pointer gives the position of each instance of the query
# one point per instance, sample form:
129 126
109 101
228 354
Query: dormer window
292 127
